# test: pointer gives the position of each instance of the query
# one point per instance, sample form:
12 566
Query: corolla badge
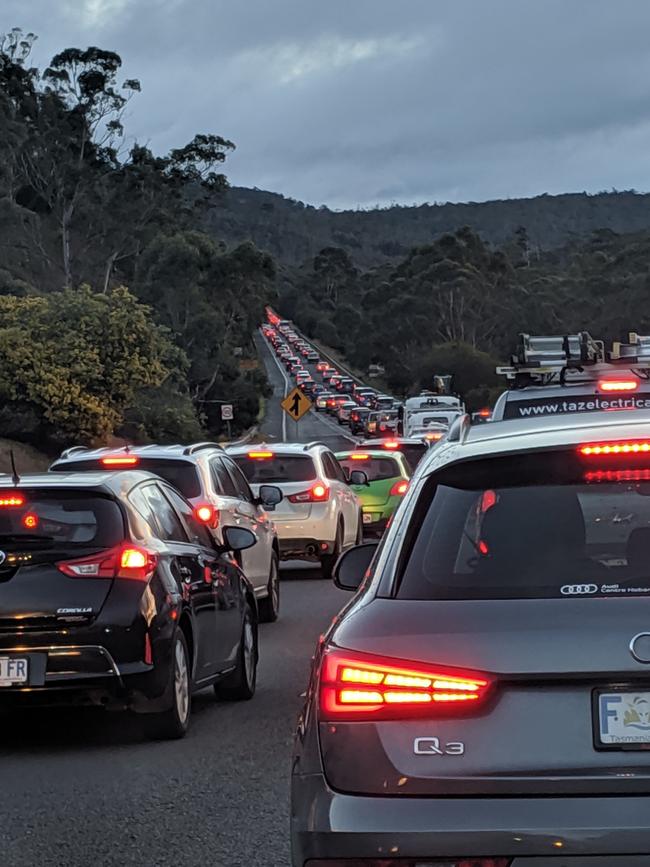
3 557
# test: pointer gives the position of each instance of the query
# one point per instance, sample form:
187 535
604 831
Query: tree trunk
65 242
110 262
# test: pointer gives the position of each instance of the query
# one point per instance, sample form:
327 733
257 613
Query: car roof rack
198 447
574 358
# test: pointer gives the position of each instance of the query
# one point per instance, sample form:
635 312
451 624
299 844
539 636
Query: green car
388 478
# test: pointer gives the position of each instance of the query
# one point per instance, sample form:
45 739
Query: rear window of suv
376 469
276 469
482 535
182 475
55 518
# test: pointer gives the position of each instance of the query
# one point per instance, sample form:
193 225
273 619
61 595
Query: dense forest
83 357
131 282
457 304
293 232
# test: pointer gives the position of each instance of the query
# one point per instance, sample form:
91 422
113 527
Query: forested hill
293 232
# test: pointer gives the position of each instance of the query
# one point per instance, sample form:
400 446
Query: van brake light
618 384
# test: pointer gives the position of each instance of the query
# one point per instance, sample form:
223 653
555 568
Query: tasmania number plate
13 670
624 719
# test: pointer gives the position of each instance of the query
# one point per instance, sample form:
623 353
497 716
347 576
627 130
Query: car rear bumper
84 674
563 831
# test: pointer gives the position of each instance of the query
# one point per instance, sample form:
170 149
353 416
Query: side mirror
238 538
351 567
358 477
270 496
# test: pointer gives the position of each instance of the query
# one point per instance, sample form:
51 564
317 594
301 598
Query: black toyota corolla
112 594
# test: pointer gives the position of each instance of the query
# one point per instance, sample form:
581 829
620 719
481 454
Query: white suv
320 514
220 494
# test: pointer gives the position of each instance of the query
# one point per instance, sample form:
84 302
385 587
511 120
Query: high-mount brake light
618 384
125 561
353 684
260 456
120 461
390 444
399 488
605 449
318 493
434 437
207 514
359 456
617 476
484 413
10 501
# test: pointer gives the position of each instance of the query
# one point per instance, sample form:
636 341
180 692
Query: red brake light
11 500
121 461
260 456
207 514
353 684
30 521
399 488
128 561
618 384
615 448
433 437
390 444
359 456
318 493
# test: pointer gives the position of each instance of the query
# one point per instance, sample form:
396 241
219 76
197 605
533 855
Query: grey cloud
358 102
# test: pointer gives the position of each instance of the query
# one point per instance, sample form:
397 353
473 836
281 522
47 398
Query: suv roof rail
66 453
197 447
459 428
308 446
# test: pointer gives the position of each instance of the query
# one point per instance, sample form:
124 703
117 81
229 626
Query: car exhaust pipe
312 550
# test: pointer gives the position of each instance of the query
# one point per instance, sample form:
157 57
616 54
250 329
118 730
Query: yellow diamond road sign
296 404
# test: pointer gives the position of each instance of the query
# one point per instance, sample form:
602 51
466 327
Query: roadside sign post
227 415
296 404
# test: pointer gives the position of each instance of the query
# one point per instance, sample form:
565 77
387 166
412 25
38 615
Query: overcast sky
361 102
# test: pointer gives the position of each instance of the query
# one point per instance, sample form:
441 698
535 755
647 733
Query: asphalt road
86 788
313 426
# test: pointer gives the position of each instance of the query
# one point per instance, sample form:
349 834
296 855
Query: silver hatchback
484 699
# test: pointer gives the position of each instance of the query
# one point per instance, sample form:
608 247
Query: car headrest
638 548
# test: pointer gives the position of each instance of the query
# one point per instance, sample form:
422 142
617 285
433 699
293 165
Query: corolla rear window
73 519
376 469
276 469
533 540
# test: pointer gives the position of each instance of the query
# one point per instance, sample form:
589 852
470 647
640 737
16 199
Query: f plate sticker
433 747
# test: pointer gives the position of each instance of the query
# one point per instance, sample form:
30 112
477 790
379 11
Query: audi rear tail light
207 514
356 685
125 561
120 461
318 493
399 488
618 384
10 501
633 447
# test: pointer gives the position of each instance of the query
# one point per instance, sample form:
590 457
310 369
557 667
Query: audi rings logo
578 589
